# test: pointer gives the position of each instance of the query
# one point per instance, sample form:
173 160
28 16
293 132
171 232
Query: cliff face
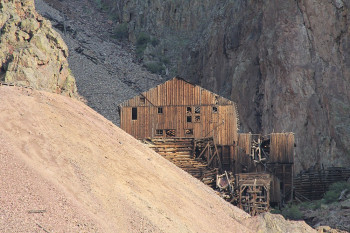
286 63
31 52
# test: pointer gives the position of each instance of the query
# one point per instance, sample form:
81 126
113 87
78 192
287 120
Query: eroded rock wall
31 52
286 63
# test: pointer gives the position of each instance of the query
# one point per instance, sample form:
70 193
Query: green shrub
155 67
141 43
140 49
339 186
154 41
311 205
142 39
334 191
331 196
292 212
121 31
165 60
275 211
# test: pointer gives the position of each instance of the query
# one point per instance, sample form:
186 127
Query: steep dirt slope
60 156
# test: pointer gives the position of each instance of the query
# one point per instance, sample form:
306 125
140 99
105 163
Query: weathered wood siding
282 148
174 97
242 159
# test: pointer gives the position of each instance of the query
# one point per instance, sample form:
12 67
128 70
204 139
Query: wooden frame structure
179 109
198 131
273 153
253 192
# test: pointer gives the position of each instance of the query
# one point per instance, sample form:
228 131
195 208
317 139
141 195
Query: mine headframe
248 191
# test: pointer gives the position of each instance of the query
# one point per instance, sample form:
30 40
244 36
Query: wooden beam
200 155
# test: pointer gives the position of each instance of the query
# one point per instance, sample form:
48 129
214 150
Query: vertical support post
231 158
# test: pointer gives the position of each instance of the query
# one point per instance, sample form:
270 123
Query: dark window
159 132
215 109
160 110
188 110
197 119
134 114
197 109
216 99
188 132
189 119
170 132
142 100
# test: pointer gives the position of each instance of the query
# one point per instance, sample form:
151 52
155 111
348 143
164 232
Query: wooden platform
181 152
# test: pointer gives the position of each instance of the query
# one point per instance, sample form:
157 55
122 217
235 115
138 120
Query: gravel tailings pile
65 168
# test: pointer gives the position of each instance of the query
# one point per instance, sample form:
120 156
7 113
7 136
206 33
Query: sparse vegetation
141 43
143 39
276 211
121 31
292 212
155 67
101 5
154 41
334 191
310 205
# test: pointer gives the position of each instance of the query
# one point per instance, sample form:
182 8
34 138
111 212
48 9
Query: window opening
170 132
142 100
159 132
134 114
189 119
188 132
197 109
215 109
216 99
188 110
160 110
197 119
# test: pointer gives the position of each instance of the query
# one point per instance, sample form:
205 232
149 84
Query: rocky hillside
80 173
31 52
286 63
104 67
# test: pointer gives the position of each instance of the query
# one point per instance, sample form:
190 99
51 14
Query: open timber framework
198 131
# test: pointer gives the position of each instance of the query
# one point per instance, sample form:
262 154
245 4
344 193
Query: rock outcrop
286 63
31 52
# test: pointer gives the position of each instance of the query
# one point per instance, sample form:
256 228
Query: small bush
142 39
155 67
140 49
334 191
154 41
292 212
141 43
275 211
311 205
121 31
331 196
165 60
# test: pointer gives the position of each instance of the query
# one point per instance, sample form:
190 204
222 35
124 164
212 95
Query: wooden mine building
179 109
198 131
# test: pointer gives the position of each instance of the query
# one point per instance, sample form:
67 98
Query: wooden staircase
181 152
